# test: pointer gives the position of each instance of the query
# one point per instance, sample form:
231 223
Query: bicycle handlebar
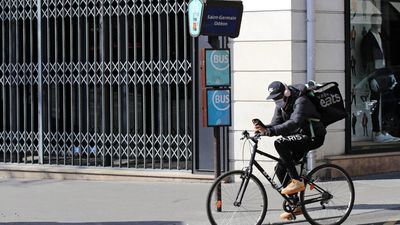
255 138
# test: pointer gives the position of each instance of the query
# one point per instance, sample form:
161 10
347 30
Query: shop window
375 74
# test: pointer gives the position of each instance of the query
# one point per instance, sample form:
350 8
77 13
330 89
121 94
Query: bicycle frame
249 170
318 192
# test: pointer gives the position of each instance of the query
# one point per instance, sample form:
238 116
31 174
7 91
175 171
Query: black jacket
294 118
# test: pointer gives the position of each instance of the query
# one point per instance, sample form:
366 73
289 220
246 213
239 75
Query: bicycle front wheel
236 199
329 195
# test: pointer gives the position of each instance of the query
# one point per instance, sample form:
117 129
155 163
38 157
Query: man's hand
260 127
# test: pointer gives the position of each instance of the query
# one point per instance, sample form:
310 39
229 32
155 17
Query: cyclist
296 120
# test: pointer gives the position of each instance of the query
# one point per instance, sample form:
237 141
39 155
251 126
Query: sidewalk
150 203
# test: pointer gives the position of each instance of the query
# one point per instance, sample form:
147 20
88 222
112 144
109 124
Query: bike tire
253 207
335 202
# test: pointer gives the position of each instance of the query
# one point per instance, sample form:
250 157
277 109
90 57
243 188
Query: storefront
118 80
96 83
101 84
374 75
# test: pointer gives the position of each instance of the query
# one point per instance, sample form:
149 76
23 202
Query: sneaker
288 216
383 138
392 138
293 187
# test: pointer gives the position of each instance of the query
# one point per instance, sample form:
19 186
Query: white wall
261 54
272 46
329 57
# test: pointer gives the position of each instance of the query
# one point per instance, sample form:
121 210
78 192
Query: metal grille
114 87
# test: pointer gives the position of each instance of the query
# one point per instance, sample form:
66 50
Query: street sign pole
217 164
216 19
219 114
215 44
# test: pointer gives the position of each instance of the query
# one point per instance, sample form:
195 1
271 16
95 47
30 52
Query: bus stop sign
222 18
218 107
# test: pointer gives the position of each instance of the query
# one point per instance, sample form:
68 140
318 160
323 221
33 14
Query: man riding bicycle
296 120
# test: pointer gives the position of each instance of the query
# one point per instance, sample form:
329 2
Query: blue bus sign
195 11
218 107
218 70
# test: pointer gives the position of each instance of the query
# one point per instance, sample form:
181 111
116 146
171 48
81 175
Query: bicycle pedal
295 198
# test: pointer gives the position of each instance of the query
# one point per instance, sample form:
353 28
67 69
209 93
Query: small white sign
195 11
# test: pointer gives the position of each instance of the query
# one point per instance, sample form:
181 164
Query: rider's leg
281 173
282 146
291 147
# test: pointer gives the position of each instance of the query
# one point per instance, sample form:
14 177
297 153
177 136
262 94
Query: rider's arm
264 129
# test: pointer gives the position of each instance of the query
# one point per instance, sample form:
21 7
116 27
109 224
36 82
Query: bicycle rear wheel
228 209
329 195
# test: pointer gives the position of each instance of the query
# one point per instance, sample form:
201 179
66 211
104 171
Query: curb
9 171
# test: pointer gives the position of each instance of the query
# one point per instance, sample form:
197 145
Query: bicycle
239 197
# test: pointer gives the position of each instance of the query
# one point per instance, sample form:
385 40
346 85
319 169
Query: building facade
115 83
273 46
278 52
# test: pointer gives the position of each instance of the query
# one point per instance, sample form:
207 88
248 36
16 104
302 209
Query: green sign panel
218 70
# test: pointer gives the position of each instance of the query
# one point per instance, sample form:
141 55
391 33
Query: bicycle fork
239 197
242 189
245 178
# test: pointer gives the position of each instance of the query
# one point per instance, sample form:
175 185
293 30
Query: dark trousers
290 149
375 112
387 102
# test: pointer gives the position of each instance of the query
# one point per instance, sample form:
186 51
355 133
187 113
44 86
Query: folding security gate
96 83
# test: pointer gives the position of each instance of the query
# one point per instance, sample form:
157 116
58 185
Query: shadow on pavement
383 176
377 206
382 223
99 223
298 221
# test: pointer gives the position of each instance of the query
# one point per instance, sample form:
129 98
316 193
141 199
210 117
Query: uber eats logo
328 99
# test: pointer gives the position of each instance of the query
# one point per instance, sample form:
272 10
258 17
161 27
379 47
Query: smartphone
257 121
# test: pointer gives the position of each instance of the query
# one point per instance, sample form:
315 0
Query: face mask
280 103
